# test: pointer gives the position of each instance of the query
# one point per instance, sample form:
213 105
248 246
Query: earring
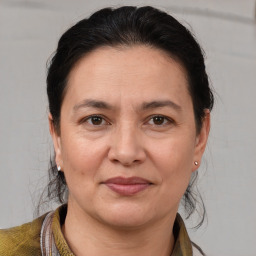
59 169
196 163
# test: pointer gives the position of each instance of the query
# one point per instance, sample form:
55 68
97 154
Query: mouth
127 186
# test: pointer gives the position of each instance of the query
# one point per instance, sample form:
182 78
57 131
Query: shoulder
21 240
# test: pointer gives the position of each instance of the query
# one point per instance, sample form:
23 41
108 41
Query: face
128 141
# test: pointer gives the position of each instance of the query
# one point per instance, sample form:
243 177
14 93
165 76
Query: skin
126 141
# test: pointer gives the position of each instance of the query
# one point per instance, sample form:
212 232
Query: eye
95 120
159 120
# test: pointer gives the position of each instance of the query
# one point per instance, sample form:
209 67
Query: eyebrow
90 103
161 104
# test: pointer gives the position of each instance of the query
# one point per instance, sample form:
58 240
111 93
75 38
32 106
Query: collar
182 246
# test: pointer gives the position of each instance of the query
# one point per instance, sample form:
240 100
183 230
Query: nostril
125 162
126 151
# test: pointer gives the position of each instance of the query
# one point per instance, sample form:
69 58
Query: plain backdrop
226 29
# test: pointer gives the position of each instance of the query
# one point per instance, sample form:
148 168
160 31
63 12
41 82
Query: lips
127 186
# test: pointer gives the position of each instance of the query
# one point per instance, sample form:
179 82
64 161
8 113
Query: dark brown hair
127 26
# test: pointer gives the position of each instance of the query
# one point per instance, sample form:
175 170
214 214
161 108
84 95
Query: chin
125 216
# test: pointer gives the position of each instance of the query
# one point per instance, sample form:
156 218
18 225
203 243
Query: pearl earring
196 163
59 169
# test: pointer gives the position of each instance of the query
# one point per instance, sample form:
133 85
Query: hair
127 26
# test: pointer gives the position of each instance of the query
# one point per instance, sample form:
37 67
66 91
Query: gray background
29 31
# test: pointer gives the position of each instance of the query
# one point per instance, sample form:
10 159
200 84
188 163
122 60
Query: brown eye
96 120
159 120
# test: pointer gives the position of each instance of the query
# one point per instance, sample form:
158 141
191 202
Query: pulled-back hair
127 26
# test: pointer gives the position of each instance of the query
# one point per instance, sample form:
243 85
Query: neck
87 236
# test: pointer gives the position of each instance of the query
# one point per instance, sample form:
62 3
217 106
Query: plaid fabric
25 240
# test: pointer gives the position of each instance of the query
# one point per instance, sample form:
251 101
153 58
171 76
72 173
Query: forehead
121 72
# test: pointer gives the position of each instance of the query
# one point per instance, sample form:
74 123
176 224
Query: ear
201 140
56 141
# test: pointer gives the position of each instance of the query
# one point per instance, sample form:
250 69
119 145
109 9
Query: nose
126 146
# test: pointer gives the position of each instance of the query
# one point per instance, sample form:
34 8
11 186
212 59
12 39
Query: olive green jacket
25 240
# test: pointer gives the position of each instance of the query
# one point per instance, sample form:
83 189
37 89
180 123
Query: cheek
173 159
81 157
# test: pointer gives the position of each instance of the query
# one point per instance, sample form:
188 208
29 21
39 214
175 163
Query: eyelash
167 120
94 116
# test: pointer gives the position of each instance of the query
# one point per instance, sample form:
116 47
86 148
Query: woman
129 103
